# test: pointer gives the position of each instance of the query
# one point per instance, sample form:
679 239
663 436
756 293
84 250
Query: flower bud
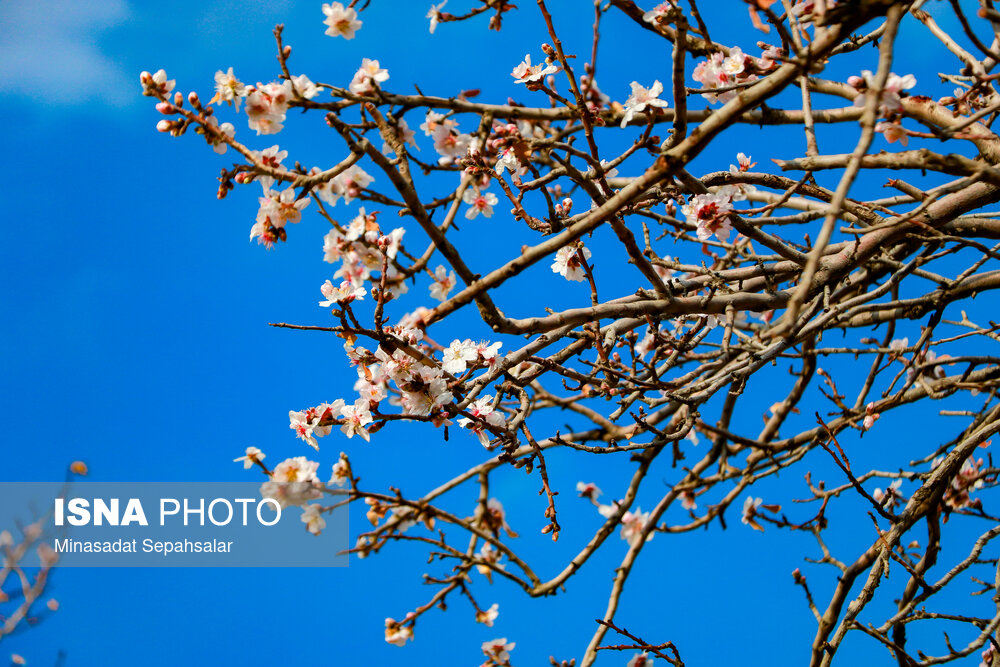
166 108
193 98
164 126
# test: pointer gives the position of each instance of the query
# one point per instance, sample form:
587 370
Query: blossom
489 353
640 659
688 501
487 616
396 633
710 212
345 294
490 558
450 143
528 74
721 71
303 427
356 417
352 181
481 202
389 243
745 163
750 506
641 98
341 471
297 469
333 243
498 650
312 518
157 83
270 157
507 159
870 416
215 134
588 490
432 120
656 12
434 14
890 100
266 106
893 132
454 359
278 209
482 415
405 136
443 283
367 76
293 482
633 523
228 89
305 87
16 659
252 456
888 497
568 262
341 22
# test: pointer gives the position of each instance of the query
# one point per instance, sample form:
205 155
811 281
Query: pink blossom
528 74
710 212
641 98
481 202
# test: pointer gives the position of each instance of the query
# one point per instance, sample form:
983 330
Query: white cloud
49 52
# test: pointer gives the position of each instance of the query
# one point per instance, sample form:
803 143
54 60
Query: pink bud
178 99
164 126
166 108
193 98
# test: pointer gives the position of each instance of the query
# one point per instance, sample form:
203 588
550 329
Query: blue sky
136 338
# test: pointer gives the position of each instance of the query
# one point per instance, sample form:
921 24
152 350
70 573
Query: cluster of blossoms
396 632
727 72
890 103
937 371
968 479
361 249
293 482
319 421
367 78
417 385
483 414
276 210
507 142
710 212
266 106
449 143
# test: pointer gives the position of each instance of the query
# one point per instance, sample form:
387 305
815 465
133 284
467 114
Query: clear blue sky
135 338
